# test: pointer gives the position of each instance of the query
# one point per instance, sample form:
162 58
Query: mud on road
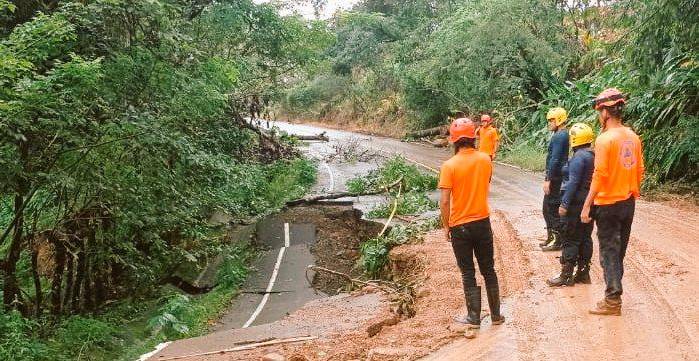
660 319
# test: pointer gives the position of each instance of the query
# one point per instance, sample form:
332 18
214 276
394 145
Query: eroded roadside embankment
439 297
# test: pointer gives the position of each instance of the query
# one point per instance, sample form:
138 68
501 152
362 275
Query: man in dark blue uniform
555 160
577 236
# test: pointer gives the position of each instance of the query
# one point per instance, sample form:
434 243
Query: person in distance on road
555 160
577 236
616 183
464 181
488 138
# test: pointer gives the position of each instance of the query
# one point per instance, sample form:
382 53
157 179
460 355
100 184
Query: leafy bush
410 203
374 252
78 336
18 341
414 180
168 320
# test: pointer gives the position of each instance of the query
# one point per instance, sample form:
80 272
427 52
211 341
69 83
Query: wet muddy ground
660 319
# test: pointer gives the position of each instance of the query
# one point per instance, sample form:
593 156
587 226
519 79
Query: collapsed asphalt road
661 312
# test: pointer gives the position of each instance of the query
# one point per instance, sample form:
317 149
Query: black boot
549 238
494 304
582 275
473 305
565 278
555 244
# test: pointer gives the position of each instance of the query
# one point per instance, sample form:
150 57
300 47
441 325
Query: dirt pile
340 232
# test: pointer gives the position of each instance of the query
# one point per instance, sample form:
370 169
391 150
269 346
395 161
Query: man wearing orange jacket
465 181
488 137
616 184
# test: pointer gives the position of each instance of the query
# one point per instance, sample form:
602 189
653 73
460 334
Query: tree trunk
57 282
80 278
70 276
38 300
11 292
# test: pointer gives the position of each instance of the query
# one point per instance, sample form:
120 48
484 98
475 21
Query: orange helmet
607 98
486 118
462 128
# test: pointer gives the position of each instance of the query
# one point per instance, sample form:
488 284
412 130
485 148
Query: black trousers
577 238
613 231
475 238
550 207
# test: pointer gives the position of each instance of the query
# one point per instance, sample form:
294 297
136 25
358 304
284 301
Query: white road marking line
287 237
160 346
272 279
332 178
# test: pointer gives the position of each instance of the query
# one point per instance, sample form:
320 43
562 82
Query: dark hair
616 110
459 114
464 143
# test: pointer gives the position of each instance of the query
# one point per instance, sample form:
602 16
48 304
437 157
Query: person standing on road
488 138
464 182
577 236
616 183
555 160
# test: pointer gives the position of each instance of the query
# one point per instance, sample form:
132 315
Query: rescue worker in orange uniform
488 138
464 182
616 184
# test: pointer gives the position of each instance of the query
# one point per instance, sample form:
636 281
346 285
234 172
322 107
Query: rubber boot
607 307
494 304
473 307
565 278
555 244
582 275
549 238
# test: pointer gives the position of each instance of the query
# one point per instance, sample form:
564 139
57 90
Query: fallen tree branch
322 137
387 289
338 195
393 212
242 348
440 130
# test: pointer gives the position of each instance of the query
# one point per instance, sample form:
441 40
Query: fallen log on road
321 137
440 130
338 195
242 348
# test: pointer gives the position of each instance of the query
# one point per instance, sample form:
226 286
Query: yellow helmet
581 133
558 115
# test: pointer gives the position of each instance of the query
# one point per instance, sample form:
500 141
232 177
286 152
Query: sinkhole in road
331 233
328 235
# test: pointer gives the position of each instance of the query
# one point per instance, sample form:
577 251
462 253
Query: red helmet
486 118
462 128
607 98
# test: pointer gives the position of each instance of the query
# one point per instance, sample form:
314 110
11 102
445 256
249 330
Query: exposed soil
660 318
340 231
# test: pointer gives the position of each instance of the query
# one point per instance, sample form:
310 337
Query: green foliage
410 203
84 335
389 172
120 135
18 341
525 155
516 59
374 252
167 321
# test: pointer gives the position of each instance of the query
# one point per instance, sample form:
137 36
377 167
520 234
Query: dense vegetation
409 197
121 132
415 62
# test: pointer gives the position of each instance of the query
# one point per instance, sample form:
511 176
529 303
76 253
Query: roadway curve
660 318
661 314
